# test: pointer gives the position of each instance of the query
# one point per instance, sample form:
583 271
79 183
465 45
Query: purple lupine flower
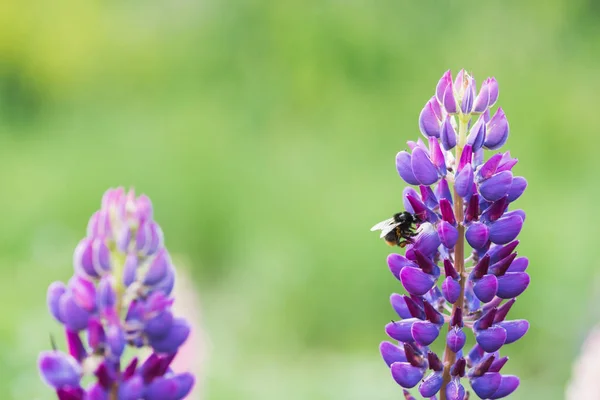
118 297
477 290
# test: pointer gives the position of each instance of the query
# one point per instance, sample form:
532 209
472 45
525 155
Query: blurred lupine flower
584 383
118 296
478 296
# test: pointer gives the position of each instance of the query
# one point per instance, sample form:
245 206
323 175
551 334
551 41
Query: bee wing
388 229
383 224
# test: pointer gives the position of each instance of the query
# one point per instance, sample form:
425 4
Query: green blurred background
265 133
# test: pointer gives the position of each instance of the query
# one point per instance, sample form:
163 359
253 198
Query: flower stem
459 252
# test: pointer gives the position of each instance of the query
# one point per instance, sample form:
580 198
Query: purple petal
84 292
446 211
448 234
427 241
509 384
178 334
465 157
401 330
442 191
399 305
424 332
132 389
408 193
391 353
106 297
448 134
443 83
515 329
396 262
185 383
158 268
449 101
466 104
493 88
99 224
162 389
455 339
95 392
415 281
422 167
428 196
437 155
92 257
487 384
488 169
497 186
158 326
477 235
59 369
477 134
464 181
485 289
451 290
130 269
518 186
149 238
55 292
75 345
115 339
497 131
404 168
455 391
428 120
406 375
506 229
491 339
519 265
512 284
483 98
95 333
74 317
431 384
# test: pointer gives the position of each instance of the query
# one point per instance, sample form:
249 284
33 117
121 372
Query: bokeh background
265 133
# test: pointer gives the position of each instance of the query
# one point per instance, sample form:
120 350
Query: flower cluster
119 296
459 196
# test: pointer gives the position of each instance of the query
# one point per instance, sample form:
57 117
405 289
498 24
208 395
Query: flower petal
415 281
406 375
512 284
455 339
424 332
431 384
506 229
491 339
422 167
509 384
404 168
487 384
497 186
477 235
401 330
515 329
485 289
463 182
391 353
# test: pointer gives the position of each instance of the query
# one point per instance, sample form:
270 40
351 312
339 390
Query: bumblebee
398 230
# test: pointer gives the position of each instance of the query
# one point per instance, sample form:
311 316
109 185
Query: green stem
459 251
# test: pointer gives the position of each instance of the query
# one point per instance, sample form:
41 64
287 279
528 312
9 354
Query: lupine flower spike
462 203
118 297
